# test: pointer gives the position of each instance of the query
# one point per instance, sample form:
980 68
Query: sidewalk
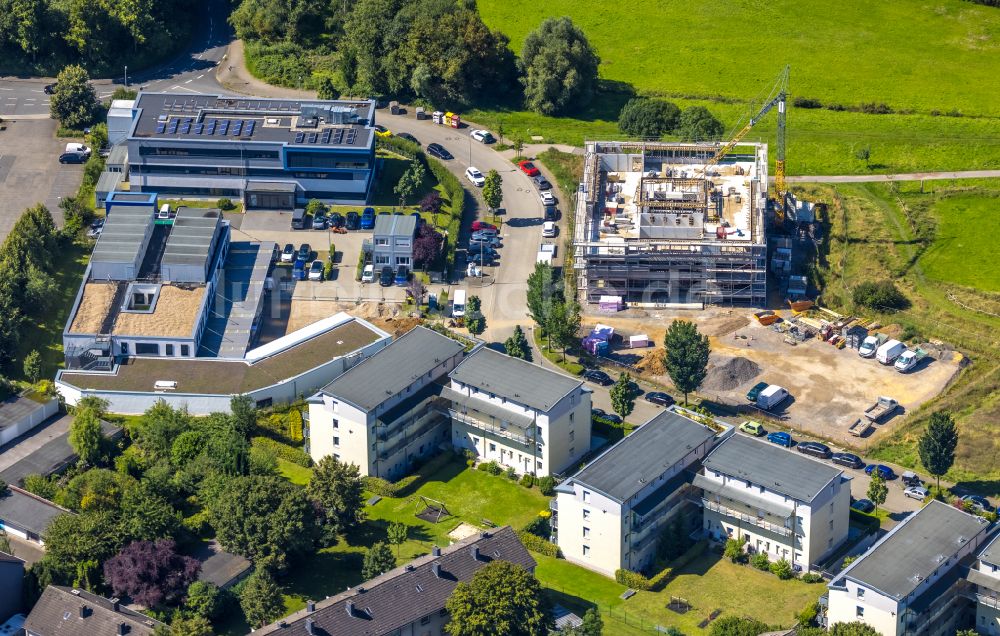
232 73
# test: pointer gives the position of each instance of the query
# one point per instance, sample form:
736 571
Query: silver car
917 492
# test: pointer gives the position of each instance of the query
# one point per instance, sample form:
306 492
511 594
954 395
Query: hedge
539 545
284 451
631 579
637 581
386 488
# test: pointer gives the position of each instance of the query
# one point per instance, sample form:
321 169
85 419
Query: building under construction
672 224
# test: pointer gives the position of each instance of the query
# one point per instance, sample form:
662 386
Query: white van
458 304
164 211
889 351
368 274
771 397
868 347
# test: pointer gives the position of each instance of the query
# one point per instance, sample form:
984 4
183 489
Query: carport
275 195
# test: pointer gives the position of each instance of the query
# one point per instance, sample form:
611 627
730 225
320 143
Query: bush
539 526
490 467
41 486
281 64
225 204
782 569
809 613
760 561
879 296
547 485
284 451
631 579
871 108
806 102
511 473
539 545
734 551
528 480
361 267
811 577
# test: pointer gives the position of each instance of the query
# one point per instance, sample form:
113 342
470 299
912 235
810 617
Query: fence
612 615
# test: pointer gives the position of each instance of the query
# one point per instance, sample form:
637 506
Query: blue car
299 270
368 219
884 471
780 438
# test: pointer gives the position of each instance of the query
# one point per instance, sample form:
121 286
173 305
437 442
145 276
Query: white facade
986 576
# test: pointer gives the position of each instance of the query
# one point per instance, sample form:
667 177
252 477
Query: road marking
6 89
183 88
189 81
201 76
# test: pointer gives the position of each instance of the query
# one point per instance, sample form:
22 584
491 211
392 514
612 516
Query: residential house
382 414
27 516
611 514
911 581
409 600
519 414
11 582
782 503
984 577
392 240
64 611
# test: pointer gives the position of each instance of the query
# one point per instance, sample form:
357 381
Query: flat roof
218 376
641 457
191 236
121 240
778 469
395 225
237 301
344 124
915 549
174 315
15 409
517 380
108 181
991 553
25 511
390 371
136 197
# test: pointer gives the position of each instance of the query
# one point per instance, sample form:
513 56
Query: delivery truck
889 351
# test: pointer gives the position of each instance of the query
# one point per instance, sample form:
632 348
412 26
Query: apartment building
611 514
69 611
272 153
911 581
392 240
11 582
385 412
409 600
782 503
984 579
518 414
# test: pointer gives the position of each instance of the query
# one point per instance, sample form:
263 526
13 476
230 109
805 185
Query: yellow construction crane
776 97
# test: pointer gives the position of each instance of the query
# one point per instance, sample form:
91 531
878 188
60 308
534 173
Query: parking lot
30 172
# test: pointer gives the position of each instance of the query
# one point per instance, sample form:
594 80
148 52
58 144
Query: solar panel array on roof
352 134
299 137
186 255
224 127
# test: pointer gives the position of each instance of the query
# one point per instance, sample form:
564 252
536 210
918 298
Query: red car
529 168
482 225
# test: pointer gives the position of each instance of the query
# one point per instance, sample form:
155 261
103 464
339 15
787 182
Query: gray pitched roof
15 410
408 593
51 457
394 368
991 553
517 380
915 549
64 611
24 511
638 459
778 469
395 225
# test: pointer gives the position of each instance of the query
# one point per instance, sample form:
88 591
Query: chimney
435 551
436 569
114 604
310 627
310 606
350 608
84 611
474 550
122 629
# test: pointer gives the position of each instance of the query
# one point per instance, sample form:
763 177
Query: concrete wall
342 430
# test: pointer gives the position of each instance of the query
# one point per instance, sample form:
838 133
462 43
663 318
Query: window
336 441
381 241
336 456
860 612
586 514
572 451
336 423
493 448
861 592
170 350
586 550
539 465
586 533
586 496
572 435
539 428
571 416
425 620
147 348
185 351
831 524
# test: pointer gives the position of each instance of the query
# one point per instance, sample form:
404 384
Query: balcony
745 518
415 429
489 418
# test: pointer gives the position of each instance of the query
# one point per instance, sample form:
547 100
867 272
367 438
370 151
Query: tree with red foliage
427 246
431 203
151 573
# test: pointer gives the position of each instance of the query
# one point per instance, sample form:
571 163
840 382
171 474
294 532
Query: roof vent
961 539
122 629
349 606
75 592
474 551
436 569
419 588
84 611
114 604
485 534
310 605
939 558
408 567
435 551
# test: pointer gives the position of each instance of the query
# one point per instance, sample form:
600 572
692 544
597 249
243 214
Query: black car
386 277
407 137
814 449
847 459
72 157
541 183
597 377
481 258
352 221
550 213
658 397
305 251
439 151
336 219
49 89
863 505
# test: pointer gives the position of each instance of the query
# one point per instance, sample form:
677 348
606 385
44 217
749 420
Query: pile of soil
653 362
723 325
727 373
396 326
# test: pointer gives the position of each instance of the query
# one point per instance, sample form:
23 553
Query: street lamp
126 76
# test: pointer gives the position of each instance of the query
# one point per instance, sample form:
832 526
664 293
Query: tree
559 67
85 436
147 515
592 625
427 245
38 485
502 599
697 123
261 599
687 356
937 445
622 396
158 428
516 346
493 190
431 202
864 154
378 560
203 599
855 628
73 100
543 291
397 532
314 207
337 488
737 626
151 573
327 90
564 324
879 295
733 550
187 446
877 490
243 414
190 626
475 322
33 365
648 118
410 181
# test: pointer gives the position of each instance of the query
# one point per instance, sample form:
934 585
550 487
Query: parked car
814 449
96 228
368 219
604 415
485 237
847 459
353 220
319 221
368 274
981 504
402 275
658 397
863 505
542 183
755 391
548 229
884 471
549 213
475 176
72 157
529 168
780 438
479 245
481 258
916 492
385 277
910 478
382 131
547 198
305 251
596 412
752 428
288 254
408 137
316 270
868 347
483 136
478 226
299 270
597 377
439 151
336 219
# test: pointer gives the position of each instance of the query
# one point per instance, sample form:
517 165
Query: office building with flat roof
271 153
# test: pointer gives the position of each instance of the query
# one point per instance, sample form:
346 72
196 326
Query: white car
547 198
917 492
472 174
482 136
368 274
549 229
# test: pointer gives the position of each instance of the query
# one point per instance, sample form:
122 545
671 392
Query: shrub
782 569
808 614
41 486
295 425
539 545
361 267
879 296
871 108
528 480
490 467
631 579
511 473
284 451
811 577
547 485
806 102
847 561
760 561
734 551
225 204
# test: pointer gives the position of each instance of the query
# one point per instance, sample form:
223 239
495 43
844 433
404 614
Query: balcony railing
413 431
745 518
510 432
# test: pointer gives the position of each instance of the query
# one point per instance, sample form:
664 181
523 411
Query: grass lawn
203 203
293 472
964 250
